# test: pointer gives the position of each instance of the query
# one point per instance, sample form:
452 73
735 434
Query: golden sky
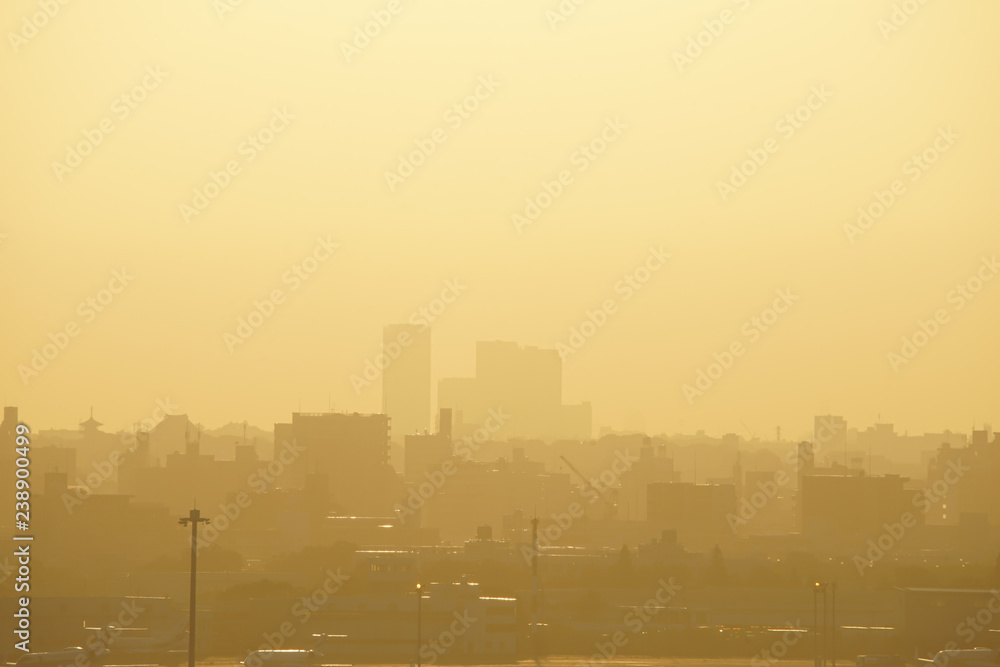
308 129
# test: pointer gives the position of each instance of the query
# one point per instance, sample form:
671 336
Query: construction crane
610 503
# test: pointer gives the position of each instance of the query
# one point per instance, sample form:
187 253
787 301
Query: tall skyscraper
522 382
406 379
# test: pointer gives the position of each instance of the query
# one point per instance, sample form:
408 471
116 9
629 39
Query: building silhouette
427 451
848 505
524 383
406 379
352 450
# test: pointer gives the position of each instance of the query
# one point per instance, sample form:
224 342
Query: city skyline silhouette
533 333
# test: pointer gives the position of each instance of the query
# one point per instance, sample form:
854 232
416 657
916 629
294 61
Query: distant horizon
791 217
744 436
569 306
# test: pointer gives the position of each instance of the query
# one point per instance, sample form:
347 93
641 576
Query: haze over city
886 95
550 333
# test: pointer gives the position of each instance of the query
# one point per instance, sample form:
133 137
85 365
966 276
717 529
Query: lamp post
419 596
833 624
194 518
819 657
815 628
825 626
821 652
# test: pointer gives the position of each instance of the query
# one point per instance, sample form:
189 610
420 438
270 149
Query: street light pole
833 623
819 645
419 639
193 518
816 624
825 626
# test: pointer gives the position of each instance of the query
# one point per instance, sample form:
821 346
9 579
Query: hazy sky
198 82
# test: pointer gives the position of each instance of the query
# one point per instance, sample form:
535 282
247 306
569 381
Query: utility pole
194 518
